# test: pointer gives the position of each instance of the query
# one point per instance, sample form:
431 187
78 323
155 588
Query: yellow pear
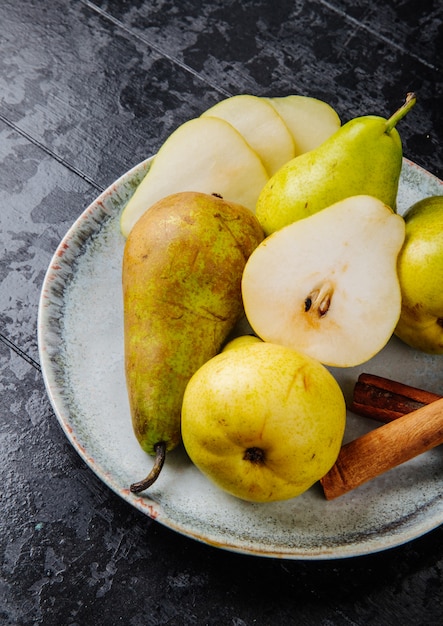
263 422
238 342
420 270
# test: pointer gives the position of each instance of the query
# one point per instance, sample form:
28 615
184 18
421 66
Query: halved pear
260 125
310 121
327 285
205 154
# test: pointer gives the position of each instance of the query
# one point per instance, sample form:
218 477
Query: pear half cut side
205 155
327 285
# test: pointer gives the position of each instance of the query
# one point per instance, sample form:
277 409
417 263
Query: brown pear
182 268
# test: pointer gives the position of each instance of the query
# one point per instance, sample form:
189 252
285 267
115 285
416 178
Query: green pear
310 120
420 271
205 154
327 285
363 157
263 422
260 125
182 267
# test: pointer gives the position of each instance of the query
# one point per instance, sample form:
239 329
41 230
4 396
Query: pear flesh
205 154
260 125
420 268
328 285
232 149
363 157
182 268
311 121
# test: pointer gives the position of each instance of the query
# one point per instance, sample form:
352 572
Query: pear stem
411 99
160 455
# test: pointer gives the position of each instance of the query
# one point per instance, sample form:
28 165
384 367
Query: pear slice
260 125
327 285
310 121
205 154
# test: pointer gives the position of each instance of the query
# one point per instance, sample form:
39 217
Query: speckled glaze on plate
80 337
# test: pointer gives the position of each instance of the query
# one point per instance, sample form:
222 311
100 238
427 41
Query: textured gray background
87 90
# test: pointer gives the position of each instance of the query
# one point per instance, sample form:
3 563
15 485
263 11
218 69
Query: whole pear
363 157
420 271
182 267
239 342
263 422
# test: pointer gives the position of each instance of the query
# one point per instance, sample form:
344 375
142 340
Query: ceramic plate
81 351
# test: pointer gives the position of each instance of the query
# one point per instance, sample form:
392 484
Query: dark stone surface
88 89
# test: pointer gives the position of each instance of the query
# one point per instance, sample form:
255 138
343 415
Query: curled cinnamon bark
414 425
385 400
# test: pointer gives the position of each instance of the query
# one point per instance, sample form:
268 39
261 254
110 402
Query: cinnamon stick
385 447
385 400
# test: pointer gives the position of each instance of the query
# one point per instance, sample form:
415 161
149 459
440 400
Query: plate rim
144 503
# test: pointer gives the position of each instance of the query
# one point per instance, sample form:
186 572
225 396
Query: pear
363 157
310 120
420 271
263 422
205 154
327 285
240 341
260 125
181 274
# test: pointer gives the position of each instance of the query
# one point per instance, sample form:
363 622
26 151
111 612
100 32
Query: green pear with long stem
182 266
363 157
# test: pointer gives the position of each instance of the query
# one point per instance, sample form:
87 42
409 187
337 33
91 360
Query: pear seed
324 305
319 300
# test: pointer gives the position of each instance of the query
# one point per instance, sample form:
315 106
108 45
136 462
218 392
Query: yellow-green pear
327 285
363 157
420 270
182 268
205 154
263 422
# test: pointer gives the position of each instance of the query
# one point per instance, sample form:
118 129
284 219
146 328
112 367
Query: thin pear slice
327 285
310 121
260 125
205 154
